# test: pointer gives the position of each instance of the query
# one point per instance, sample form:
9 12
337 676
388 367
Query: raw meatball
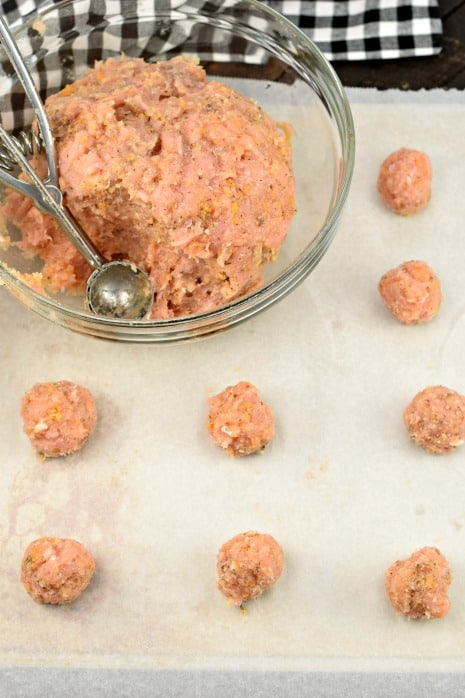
58 417
184 176
56 570
412 292
247 565
435 419
239 421
404 181
417 587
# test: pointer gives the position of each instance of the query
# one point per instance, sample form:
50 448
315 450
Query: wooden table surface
445 70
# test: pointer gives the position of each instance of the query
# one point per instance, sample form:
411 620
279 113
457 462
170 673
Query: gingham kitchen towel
348 30
367 29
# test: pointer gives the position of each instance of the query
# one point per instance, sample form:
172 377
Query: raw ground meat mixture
56 570
247 565
239 421
435 419
404 181
417 587
411 291
183 176
58 417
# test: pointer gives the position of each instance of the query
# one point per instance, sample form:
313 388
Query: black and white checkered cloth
367 29
347 30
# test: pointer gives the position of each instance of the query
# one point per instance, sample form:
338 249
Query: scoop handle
24 76
48 198
45 194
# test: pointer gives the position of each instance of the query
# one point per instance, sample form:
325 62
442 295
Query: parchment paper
340 486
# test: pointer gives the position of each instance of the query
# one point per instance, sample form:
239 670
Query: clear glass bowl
241 42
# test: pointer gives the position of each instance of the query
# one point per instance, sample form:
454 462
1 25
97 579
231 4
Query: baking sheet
341 487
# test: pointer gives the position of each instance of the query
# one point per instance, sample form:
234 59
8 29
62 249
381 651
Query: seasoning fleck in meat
418 587
58 417
412 292
239 421
405 180
56 570
247 565
435 419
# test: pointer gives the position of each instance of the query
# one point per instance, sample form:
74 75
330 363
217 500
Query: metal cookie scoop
116 289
